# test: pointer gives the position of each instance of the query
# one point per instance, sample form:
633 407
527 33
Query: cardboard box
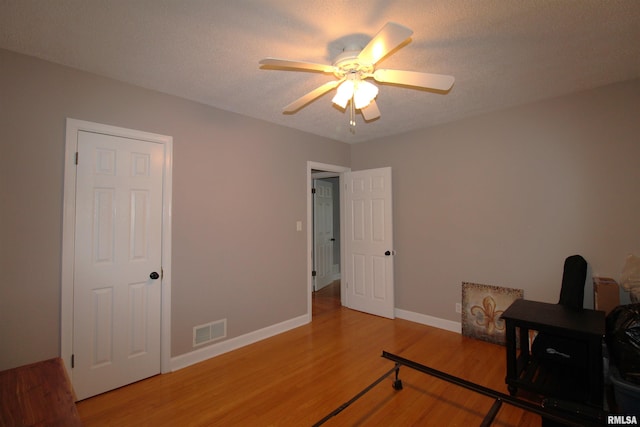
606 294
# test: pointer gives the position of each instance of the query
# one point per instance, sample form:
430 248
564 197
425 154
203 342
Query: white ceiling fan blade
414 78
371 111
298 65
388 38
304 100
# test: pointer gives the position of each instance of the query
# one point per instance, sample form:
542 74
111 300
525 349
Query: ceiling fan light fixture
364 93
344 93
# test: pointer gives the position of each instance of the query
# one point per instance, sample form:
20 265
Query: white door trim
327 168
68 230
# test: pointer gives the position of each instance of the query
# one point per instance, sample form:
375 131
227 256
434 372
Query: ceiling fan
354 65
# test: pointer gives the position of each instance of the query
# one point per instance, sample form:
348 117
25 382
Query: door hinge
313 273
313 191
73 360
76 157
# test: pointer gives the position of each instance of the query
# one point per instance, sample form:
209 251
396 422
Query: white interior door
118 238
369 241
323 233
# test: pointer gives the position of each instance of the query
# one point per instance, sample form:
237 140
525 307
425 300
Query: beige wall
498 199
503 198
239 186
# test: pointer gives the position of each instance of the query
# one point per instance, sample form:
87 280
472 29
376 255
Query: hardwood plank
38 394
298 377
326 299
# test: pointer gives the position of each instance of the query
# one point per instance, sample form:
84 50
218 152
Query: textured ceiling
502 53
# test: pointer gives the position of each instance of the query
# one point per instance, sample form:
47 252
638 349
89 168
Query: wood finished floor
298 377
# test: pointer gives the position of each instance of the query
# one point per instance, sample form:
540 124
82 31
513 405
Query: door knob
387 253
154 275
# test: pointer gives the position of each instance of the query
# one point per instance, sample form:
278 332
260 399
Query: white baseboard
436 322
200 355
335 271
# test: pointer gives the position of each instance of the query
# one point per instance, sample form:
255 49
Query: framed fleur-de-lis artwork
482 306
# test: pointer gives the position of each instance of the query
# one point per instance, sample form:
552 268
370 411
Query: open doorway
366 244
326 243
324 220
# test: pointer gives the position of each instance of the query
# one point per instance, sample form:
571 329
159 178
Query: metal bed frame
564 412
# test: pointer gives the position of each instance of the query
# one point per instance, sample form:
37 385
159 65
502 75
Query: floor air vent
210 332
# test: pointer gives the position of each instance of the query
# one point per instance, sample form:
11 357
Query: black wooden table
523 371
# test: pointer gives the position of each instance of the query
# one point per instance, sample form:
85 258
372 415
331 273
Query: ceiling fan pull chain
352 120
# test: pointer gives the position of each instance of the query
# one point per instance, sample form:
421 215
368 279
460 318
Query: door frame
338 170
73 126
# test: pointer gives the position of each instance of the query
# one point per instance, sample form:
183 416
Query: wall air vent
203 334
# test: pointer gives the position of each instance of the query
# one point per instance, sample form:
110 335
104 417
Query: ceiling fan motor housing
348 65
